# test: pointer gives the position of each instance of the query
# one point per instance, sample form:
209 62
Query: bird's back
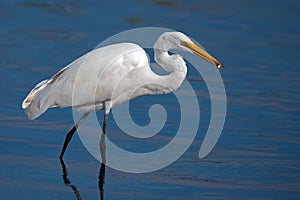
89 80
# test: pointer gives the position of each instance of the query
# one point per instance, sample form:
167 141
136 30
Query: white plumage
111 75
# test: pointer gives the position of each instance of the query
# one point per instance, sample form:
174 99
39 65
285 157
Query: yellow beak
198 51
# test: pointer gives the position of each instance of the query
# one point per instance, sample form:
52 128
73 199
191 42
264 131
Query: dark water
257 156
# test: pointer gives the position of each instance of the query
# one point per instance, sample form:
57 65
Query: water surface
257 156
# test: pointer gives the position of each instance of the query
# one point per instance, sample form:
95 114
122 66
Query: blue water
257 156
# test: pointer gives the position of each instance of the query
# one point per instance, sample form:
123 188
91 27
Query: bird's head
180 41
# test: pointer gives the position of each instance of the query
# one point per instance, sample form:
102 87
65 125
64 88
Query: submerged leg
70 135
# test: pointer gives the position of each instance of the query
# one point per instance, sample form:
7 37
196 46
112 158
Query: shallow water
257 156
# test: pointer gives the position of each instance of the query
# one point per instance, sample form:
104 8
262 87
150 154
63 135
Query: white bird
108 76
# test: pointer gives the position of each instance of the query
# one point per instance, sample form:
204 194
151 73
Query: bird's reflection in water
67 181
101 175
101 180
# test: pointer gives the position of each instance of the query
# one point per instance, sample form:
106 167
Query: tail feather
27 101
35 109
34 106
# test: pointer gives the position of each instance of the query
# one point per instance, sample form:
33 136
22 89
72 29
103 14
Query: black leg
102 140
104 123
101 177
67 140
70 135
101 181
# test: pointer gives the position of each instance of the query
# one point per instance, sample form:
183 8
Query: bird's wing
89 79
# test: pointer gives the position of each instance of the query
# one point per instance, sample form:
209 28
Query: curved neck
173 64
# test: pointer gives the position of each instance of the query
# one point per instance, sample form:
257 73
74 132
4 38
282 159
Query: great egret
108 76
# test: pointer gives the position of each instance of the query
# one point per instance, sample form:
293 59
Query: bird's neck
173 64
